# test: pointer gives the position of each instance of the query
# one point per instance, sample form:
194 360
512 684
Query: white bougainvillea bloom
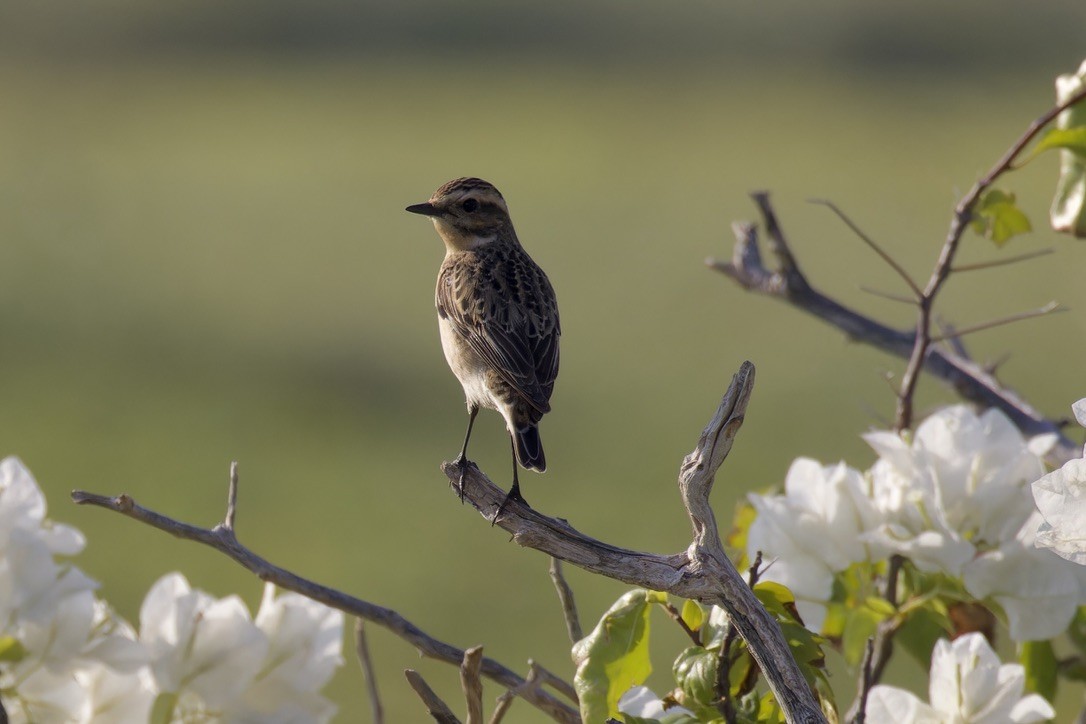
199 645
968 685
640 701
1061 498
1038 590
305 642
960 485
812 531
66 643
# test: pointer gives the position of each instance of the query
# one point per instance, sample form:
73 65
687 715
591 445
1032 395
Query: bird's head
467 212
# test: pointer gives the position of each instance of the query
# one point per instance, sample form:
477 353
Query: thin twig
963 214
505 701
1009 319
553 680
232 497
368 672
565 597
874 246
223 539
676 616
882 645
1001 262
887 295
438 709
472 684
866 682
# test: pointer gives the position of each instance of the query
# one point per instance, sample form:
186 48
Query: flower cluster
954 499
968 684
66 657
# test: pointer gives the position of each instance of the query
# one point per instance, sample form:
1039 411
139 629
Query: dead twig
364 660
437 709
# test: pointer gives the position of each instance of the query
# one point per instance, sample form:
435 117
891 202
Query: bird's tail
530 448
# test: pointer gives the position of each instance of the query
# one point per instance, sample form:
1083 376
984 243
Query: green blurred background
204 258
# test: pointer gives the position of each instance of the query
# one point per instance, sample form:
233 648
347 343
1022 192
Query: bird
498 319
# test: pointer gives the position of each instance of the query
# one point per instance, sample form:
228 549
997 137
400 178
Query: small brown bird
497 315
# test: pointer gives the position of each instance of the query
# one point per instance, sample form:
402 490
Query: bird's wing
510 320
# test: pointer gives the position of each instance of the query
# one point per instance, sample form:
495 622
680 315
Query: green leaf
695 673
1068 212
162 710
715 628
692 614
996 215
1077 630
769 710
861 624
1073 139
615 656
922 628
11 650
1039 660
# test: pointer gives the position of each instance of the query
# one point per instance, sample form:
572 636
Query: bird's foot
462 463
513 494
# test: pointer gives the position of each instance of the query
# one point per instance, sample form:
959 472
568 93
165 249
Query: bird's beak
426 209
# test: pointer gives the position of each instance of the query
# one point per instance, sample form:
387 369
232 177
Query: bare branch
972 381
1001 262
364 660
874 246
438 709
472 684
223 539
702 572
1031 314
565 597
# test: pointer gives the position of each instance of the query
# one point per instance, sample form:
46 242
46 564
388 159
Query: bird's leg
514 492
461 460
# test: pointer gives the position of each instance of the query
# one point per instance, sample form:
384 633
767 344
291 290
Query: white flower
198 644
960 485
640 701
812 531
968 684
305 639
22 507
114 696
214 662
1061 498
1039 591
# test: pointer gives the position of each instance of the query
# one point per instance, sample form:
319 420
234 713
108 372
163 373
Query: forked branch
703 572
972 381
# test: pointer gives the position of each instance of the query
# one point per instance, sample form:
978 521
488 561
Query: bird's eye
470 205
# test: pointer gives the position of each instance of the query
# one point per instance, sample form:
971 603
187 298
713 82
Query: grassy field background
204 257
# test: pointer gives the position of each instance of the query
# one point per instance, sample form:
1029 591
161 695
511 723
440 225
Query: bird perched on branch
497 315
